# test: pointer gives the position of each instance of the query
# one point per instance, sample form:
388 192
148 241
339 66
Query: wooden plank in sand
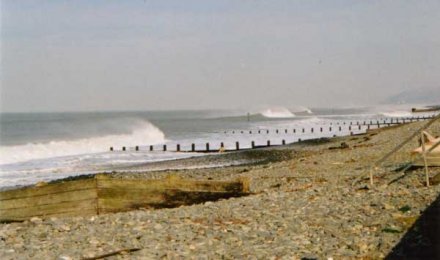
77 197
103 194
171 182
76 208
48 199
46 189
128 194
161 199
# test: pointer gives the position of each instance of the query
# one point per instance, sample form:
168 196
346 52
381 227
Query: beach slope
309 200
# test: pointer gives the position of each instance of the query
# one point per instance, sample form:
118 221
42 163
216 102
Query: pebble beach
309 200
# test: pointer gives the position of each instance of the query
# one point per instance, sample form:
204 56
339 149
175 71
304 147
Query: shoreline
45 170
303 204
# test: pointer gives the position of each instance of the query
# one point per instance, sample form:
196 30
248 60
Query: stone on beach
299 209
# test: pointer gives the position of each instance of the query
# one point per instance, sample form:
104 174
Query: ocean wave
277 112
143 132
301 109
396 114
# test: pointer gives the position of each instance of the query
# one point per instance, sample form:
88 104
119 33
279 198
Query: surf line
350 128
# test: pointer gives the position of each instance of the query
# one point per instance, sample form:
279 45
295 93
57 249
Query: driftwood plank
48 189
52 198
118 205
177 197
103 194
213 186
160 184
158 199
142 194
51 209
122 184
74 213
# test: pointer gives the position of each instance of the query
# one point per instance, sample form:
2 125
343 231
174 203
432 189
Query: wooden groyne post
382 122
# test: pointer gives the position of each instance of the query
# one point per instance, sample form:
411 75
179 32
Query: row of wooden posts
207 145
222 146
351 127
383 121
312 130
378 124
399 120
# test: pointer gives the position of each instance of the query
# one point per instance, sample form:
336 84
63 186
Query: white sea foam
33 171
397 114
277 112
143 133
22 164
302 109
391 110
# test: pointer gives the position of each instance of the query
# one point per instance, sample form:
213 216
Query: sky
87 55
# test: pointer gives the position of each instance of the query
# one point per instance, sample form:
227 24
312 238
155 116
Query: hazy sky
146 55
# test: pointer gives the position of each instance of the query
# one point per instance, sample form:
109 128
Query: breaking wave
143 133
302 109
397 114
277 112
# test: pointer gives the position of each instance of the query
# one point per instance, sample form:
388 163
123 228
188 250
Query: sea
38 147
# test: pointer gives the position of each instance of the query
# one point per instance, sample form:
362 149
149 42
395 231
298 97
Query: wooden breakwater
320 131
104 194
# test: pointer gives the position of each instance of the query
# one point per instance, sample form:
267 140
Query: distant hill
415 96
